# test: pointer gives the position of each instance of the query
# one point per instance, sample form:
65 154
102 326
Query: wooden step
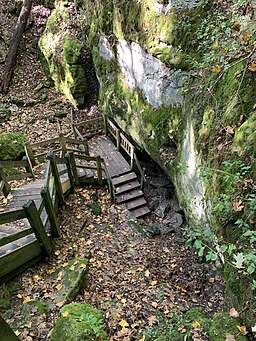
127 187
138 202
121 198
124 178
140 211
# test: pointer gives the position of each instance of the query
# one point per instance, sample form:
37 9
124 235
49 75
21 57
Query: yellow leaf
123 324
59 278
36 278
254 329
242 329
153 283
123 300
72 268
26 299
65 314
252 67
17 333
59 287
57 252
216 68
154 304
19 296
196 325
147 273
143 338
64 265
119 297
82 266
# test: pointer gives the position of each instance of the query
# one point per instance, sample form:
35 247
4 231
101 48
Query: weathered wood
36 223
55 226
18 257
73 168
99 170
55 173
140 212
13 49
9 217
128 196
16 236
7 333
62 144
124 178
29 153
123 188
5 186
70 173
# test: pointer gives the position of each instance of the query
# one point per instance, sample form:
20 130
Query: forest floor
133 276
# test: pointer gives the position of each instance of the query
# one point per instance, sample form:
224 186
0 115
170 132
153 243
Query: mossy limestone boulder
11 145
61 56
79 321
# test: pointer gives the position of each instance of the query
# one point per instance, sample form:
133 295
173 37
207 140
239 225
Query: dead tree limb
13 49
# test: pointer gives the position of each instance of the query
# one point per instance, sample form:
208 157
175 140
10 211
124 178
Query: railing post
69 168
99 170
105 122
118 140
6 187
51 212
29 168
86 146
73 168
62 144
37 225
30 154
132 157
56 176
6 332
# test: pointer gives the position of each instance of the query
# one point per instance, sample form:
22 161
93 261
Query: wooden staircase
127 191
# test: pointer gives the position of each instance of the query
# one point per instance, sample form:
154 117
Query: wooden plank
124 178
15 164
13 237
23 254
19 176
129 196
123 188
55 226
135 203
36 223
7 334
140 212
8 217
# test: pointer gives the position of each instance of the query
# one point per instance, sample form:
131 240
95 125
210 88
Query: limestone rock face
62 55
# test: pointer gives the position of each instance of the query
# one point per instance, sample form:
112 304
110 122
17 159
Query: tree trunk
13 49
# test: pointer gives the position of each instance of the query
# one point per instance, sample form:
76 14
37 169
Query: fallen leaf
36 278
65 314
152 319
154 304
252 67
233 313
147 273
254 329
242 329
17 333
123 324
57 253
196 325
59 287
82 266
60 304
230 337
26 299
237 206
216 68
182 330
72 268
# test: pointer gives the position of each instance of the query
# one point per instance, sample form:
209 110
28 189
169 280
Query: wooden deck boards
115 162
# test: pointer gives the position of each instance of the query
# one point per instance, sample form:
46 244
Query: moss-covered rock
69 280
79 321
223 325
11 146
61 54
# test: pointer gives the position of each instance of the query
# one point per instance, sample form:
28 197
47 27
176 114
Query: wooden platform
126 185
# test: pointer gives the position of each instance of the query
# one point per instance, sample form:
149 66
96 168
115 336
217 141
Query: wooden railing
60 178
21 169
89 128
59 144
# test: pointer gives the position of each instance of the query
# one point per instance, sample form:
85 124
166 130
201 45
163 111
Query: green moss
222 325
5 298
11 146
79 321
61 56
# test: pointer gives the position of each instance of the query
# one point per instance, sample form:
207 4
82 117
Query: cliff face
179 78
